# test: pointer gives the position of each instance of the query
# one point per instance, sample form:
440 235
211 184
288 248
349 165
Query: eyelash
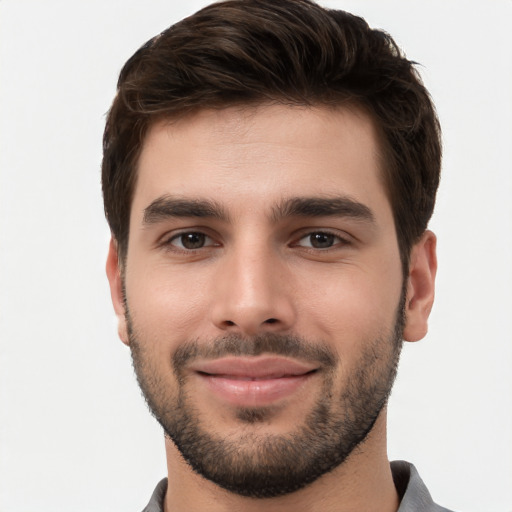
208 241
338 240
168 242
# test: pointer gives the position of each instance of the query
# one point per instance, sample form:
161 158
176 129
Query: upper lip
253 367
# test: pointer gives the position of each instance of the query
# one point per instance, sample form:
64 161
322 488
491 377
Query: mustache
267 343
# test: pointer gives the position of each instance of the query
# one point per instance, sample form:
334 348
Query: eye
191 240
320 240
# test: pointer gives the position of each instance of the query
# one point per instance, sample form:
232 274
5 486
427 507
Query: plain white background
74 432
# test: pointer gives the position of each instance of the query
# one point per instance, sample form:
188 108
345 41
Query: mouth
253 381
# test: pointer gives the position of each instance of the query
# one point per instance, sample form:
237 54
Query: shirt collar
413 493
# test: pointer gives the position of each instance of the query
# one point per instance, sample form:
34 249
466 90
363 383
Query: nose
252 293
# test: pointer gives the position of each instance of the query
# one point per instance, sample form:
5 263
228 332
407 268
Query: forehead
259 155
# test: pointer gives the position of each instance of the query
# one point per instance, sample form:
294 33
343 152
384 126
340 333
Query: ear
116 290
420 287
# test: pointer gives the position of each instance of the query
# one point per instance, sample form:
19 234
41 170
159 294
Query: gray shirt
414 496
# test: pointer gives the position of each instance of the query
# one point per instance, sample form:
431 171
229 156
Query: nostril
228 324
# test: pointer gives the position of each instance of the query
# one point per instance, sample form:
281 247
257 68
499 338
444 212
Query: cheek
164 305
351 306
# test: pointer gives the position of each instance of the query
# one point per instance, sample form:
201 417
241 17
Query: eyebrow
323 207
166 207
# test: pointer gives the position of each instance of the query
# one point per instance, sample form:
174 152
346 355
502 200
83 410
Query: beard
264 465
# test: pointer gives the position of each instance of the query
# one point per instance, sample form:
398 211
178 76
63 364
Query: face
262 291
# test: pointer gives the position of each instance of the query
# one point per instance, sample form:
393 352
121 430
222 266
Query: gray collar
413 493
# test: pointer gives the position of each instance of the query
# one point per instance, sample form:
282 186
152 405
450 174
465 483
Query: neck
363 482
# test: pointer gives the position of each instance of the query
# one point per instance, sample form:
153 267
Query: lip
253 381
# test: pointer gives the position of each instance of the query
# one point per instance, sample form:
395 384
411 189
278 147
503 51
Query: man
269 171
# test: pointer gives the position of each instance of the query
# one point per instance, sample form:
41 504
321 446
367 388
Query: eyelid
343 238
166 241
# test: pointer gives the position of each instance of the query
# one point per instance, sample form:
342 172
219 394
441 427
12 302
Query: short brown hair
290 52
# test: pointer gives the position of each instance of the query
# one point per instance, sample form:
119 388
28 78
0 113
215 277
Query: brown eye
191 241
321 240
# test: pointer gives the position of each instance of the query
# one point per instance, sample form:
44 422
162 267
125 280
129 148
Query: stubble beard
260 465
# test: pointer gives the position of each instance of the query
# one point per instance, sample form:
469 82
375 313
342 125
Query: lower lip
254 393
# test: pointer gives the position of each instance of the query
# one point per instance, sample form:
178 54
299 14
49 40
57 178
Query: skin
259 273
